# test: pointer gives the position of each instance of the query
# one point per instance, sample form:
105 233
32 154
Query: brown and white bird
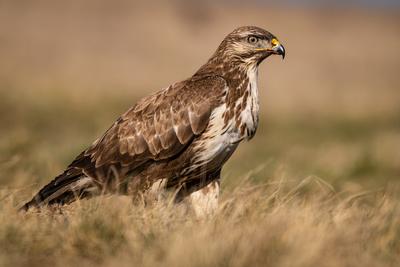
176 139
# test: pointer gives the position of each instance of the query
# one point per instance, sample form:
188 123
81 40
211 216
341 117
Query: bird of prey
178 138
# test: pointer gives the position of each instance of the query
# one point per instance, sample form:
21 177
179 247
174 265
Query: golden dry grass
275 224
330 112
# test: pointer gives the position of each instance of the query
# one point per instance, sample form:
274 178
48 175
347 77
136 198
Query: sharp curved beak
279 50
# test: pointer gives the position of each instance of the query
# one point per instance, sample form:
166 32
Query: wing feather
198 117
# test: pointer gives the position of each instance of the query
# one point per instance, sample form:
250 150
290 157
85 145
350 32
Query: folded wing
157 128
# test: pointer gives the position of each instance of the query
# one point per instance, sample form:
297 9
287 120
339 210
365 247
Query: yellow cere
274 42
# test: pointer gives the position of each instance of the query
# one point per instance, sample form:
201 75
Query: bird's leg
205 200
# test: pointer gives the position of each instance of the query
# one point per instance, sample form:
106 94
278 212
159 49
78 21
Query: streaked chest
230 123
247 116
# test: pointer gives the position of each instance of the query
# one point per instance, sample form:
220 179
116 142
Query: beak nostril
274 42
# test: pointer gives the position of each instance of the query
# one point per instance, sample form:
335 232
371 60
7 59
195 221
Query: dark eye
252 39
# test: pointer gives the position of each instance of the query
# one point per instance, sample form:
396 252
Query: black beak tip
282 51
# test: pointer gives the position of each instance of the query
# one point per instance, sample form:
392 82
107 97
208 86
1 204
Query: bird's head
250 45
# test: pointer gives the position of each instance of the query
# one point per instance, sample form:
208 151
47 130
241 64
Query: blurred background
331 109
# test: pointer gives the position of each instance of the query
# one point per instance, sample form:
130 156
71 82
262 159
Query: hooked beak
279 50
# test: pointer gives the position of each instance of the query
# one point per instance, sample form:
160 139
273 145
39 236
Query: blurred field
319 185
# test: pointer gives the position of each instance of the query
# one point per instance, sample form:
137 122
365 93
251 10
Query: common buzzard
176 139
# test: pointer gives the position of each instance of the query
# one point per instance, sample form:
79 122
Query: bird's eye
252 39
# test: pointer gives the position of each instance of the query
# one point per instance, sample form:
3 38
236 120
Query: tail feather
65 188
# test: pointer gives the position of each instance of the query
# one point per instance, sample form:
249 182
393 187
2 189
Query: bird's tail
65 188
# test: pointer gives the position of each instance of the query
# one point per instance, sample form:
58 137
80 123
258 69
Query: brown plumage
178 138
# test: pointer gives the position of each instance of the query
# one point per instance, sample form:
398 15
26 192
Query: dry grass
275 224
67 70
